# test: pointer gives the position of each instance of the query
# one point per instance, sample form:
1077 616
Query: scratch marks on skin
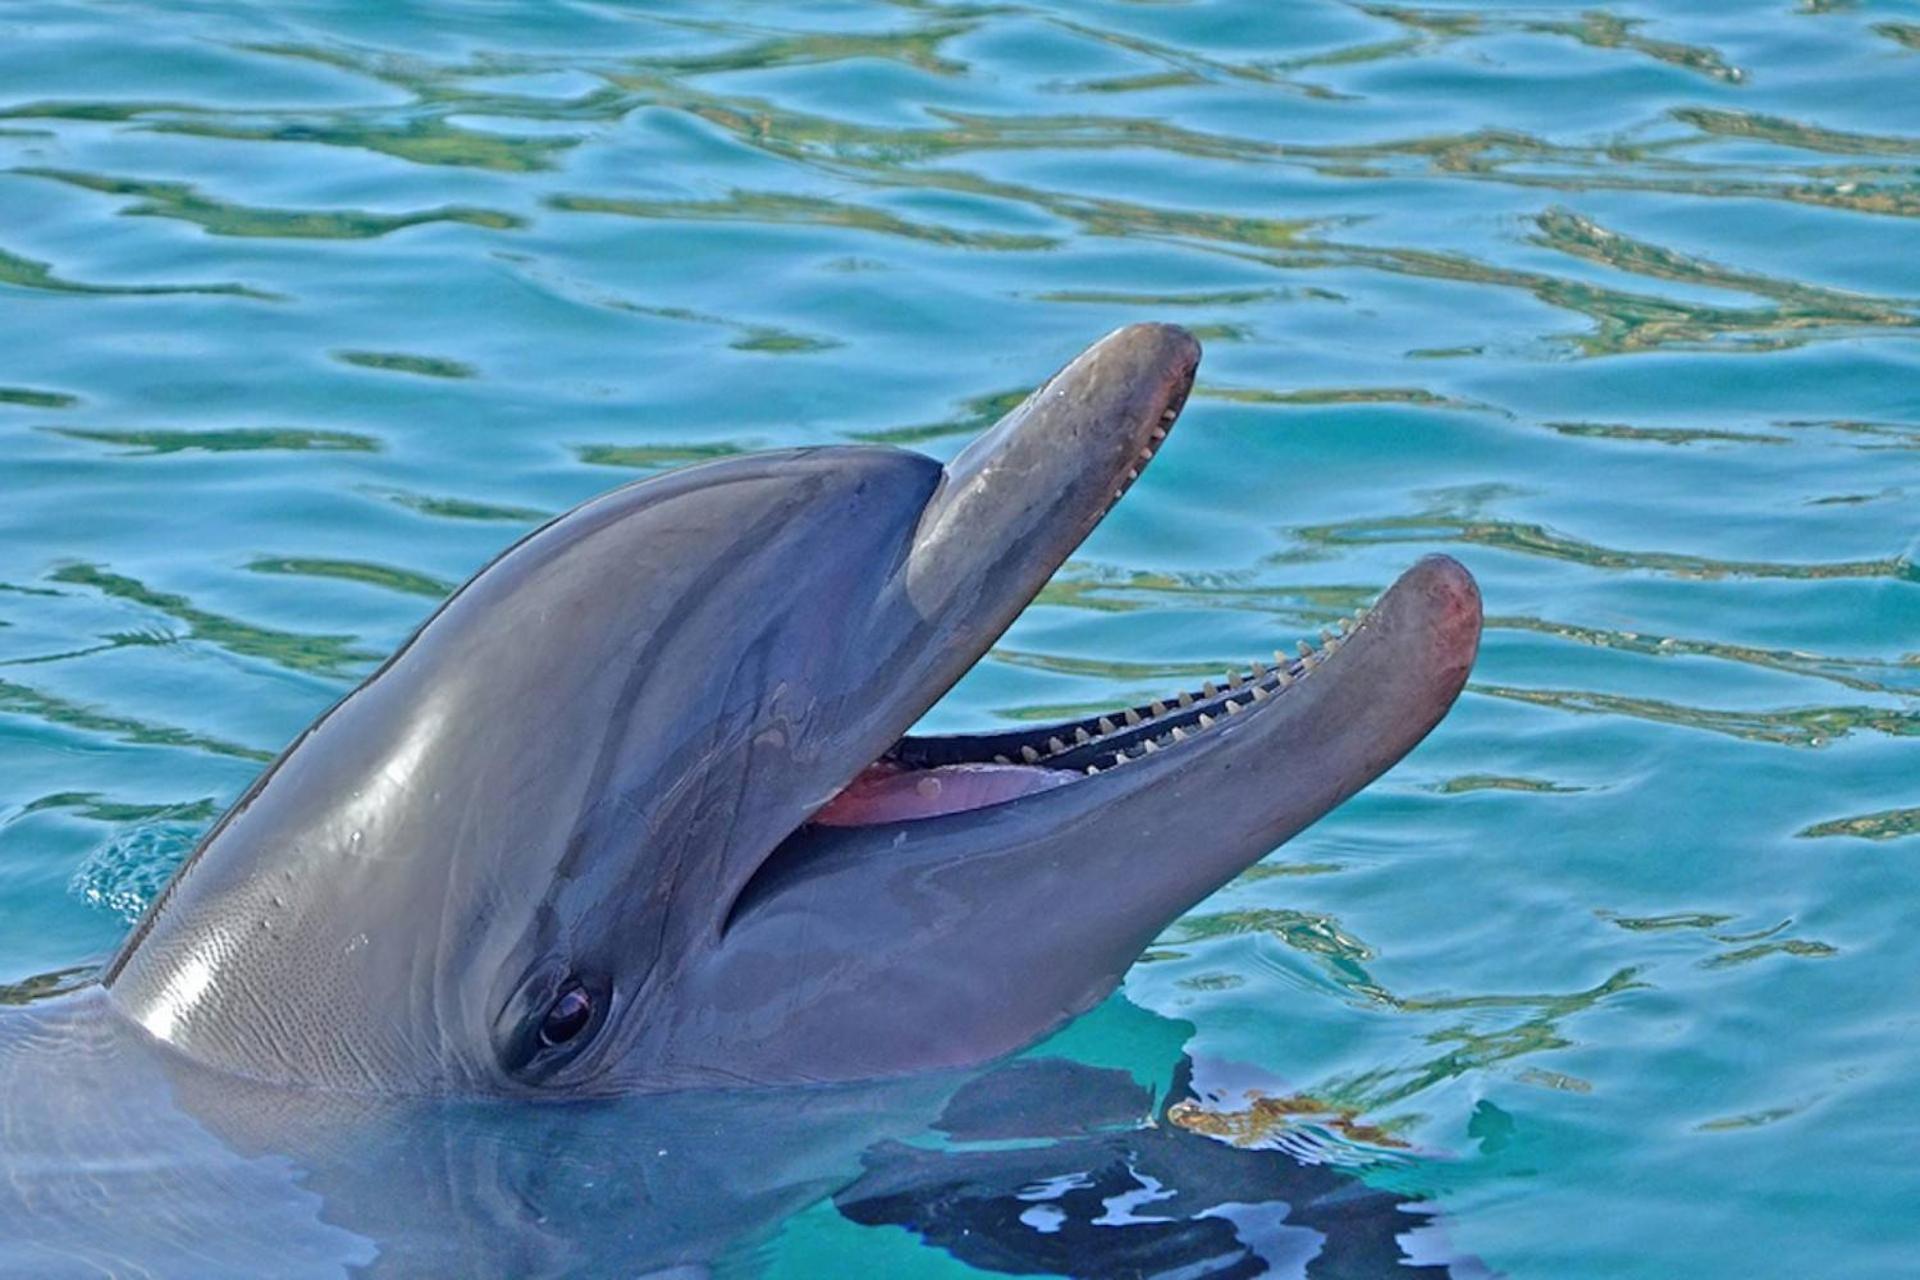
184 989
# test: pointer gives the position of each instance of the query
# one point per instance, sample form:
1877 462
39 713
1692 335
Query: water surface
307 310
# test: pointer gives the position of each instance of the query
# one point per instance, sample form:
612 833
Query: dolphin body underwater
618 916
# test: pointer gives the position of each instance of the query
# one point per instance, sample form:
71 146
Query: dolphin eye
567 1017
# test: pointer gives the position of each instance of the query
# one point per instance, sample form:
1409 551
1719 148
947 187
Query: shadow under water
125 1160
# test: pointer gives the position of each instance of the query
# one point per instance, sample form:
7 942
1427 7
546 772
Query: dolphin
636 825
638 809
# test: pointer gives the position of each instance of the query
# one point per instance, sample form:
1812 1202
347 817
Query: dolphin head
637 808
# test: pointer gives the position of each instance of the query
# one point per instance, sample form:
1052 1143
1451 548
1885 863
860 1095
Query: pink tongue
890 793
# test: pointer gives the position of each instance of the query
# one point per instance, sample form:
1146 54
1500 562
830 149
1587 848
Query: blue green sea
309 309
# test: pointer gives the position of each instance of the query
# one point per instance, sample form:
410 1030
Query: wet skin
634 811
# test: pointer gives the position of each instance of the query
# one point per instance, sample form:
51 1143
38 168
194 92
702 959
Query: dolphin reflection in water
618 917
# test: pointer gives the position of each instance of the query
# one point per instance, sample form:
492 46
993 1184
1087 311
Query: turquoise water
307 310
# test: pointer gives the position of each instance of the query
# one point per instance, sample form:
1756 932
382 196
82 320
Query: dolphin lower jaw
1013 915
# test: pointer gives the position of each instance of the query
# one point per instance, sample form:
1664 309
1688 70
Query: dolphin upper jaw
1038 481
639 754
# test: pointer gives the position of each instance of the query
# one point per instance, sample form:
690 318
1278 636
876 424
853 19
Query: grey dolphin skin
560 842
634 824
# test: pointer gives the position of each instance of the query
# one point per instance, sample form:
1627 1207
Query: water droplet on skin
354 838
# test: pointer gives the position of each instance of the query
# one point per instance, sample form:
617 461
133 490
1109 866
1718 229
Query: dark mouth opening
925 777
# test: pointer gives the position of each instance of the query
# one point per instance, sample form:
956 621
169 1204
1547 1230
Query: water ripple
402 362
1889 824
26 273
1595 28
1538 540
31 398
24 700
157 440
188 204
1903 33
1871 675
321 654
1797 727
775 208
404 581
450 508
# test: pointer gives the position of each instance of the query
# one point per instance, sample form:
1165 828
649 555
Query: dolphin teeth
1178 734
1280 657
1259 694
1209 690
1306 650
1001 760
1259 669
1233 706
1206 721
1286 678
1081 737
1133 473
1132 717
1159 433
1149 745
1106 726
1056 746
1029 754
1326 635
1092 771
1233 679
1185 700
1158 708
1349 624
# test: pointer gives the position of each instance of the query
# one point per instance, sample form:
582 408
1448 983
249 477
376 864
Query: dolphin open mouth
922 777
1094 429
930 776
1360 694
1065 848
